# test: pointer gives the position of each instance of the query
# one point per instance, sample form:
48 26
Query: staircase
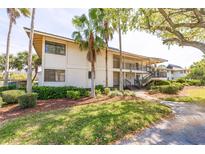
146 80
128 85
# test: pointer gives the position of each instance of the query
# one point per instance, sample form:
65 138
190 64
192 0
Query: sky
58 21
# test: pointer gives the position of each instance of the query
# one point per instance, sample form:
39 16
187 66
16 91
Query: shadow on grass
88 124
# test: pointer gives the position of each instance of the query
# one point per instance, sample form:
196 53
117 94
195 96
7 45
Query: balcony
131 67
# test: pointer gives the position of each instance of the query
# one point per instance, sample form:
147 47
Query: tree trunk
29 72
6 73
120 47
106 64
36 72
92 61
92 78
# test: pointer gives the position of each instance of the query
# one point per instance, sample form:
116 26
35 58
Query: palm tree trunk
29 72
36 71
6 73
120 46
106 64
92 78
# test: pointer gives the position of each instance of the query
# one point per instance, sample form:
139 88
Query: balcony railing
129 66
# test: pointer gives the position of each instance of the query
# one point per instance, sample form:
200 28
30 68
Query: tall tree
13 14
107 32
197 71
119 18
29 71
184 27
21 62
88 37
3 61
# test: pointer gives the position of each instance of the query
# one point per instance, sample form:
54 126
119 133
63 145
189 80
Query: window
54 75
116 62
55 48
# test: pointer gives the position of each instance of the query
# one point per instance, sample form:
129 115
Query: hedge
157 83
168 89
190 82
45 92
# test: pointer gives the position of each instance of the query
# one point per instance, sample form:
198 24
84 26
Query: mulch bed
13 111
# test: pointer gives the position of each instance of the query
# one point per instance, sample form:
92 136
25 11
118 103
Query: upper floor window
55 48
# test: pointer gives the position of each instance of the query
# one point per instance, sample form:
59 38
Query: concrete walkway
188 127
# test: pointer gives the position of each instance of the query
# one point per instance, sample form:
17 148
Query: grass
194 95
188 99
87 124
196 92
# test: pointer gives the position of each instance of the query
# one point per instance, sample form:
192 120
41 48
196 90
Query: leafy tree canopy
197 71
184 27
19 61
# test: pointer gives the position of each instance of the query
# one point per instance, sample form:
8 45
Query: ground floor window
54 75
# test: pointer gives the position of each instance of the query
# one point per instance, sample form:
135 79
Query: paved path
142 94
188 127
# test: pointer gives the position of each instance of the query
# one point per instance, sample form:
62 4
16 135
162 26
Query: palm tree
107 34
29 71
13 14
89 38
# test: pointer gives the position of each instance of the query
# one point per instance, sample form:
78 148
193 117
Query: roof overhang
38 36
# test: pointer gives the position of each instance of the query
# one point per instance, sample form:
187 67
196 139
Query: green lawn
198 92
88 124
194 95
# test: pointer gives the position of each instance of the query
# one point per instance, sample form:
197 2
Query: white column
43 61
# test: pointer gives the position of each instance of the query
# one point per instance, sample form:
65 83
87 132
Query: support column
43 61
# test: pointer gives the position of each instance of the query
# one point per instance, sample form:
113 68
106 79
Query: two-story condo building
64 64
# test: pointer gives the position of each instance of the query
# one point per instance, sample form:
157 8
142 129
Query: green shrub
179 85
45 92
27 100
85 93
181 80
169 89
72 94
2 103
127 93
154 87
157 83
115 93
107 91
194 82
189 82
11 96
99 87
10 87
98 92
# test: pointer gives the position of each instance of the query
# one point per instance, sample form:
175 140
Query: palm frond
25 12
